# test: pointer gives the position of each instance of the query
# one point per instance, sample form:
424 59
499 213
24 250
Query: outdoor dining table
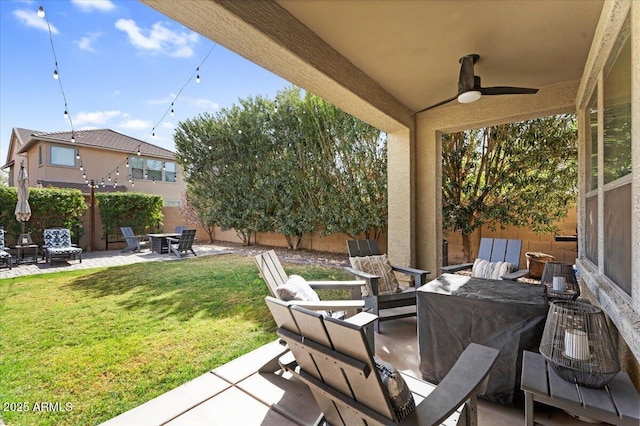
159 242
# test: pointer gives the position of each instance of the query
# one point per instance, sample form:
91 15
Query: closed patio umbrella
23 210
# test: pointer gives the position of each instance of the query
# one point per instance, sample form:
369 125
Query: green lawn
82 347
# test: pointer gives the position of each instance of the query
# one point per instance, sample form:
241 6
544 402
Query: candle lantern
561 281
577 343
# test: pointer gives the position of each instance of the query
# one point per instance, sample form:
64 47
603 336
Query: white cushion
380 266
490 270
297 288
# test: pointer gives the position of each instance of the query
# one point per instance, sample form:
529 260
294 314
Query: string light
55 73
109 177
127 162
73 138
77 154
198 75
66 115
40 12
138 149
117 172
81 166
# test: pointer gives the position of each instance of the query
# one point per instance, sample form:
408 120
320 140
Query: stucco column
401 232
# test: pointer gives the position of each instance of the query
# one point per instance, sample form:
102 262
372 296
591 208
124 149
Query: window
137 167
170 171
40 154
62 156
154 170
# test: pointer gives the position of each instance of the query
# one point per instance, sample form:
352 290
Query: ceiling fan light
468 97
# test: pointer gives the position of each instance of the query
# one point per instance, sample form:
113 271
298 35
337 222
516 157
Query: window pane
617 117
61 156
137 167
592 144
617 236
154 170
170 171
591 229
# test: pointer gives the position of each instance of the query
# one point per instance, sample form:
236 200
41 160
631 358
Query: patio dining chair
57 244
184 244
134 242
5 257
383 290
495 250
352 386
297 290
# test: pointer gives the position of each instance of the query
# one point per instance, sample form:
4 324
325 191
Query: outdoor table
455 310
159 242
21 254
617 403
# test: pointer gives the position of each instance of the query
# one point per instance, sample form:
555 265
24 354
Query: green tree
521 174
294 165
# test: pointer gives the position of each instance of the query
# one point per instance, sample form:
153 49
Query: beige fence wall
336 243
531 242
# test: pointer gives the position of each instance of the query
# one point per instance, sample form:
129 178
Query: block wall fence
336 243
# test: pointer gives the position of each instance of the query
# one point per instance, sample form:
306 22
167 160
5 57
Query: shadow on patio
245 391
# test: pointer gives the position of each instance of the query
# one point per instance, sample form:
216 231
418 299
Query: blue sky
121 65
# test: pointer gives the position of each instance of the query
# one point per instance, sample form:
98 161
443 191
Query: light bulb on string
127 162
138 149
103 182
66 114
81 166
198 75
55 74
133 183
172 111
40 12
77 154
153 133
109 177
117 172
164 167
73 138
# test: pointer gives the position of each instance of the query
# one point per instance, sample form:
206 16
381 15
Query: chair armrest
467 377
172 240
336 285
329 305
455 268
370 278
419 275
362 319
515 275
353 285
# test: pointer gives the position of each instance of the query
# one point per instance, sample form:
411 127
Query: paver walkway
98 259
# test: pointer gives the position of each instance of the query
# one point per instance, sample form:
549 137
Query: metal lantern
561 281
577 343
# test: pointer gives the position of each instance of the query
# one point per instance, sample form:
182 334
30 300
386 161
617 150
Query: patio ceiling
399 56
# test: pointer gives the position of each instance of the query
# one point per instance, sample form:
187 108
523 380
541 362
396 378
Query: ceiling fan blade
506 90
466 79
438 104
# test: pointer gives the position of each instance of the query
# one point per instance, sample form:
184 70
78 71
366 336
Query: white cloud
97 117
91 5
168 125
205 104
166 100
30 19
159 39
135 124
85 42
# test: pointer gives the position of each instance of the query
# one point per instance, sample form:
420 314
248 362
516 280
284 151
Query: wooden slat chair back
273 273
271 270
495 250
377 302
184 244
336 361
133 241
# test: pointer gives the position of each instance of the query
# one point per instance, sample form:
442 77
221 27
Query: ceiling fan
470 89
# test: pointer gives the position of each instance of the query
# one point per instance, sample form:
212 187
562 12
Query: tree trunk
466 248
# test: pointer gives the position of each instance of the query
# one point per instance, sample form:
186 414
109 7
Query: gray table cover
455 310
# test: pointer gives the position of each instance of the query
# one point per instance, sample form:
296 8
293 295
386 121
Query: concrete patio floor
246 392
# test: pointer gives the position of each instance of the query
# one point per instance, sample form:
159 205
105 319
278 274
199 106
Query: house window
137 167
170 171
63 156
39 155
154 170
608 170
